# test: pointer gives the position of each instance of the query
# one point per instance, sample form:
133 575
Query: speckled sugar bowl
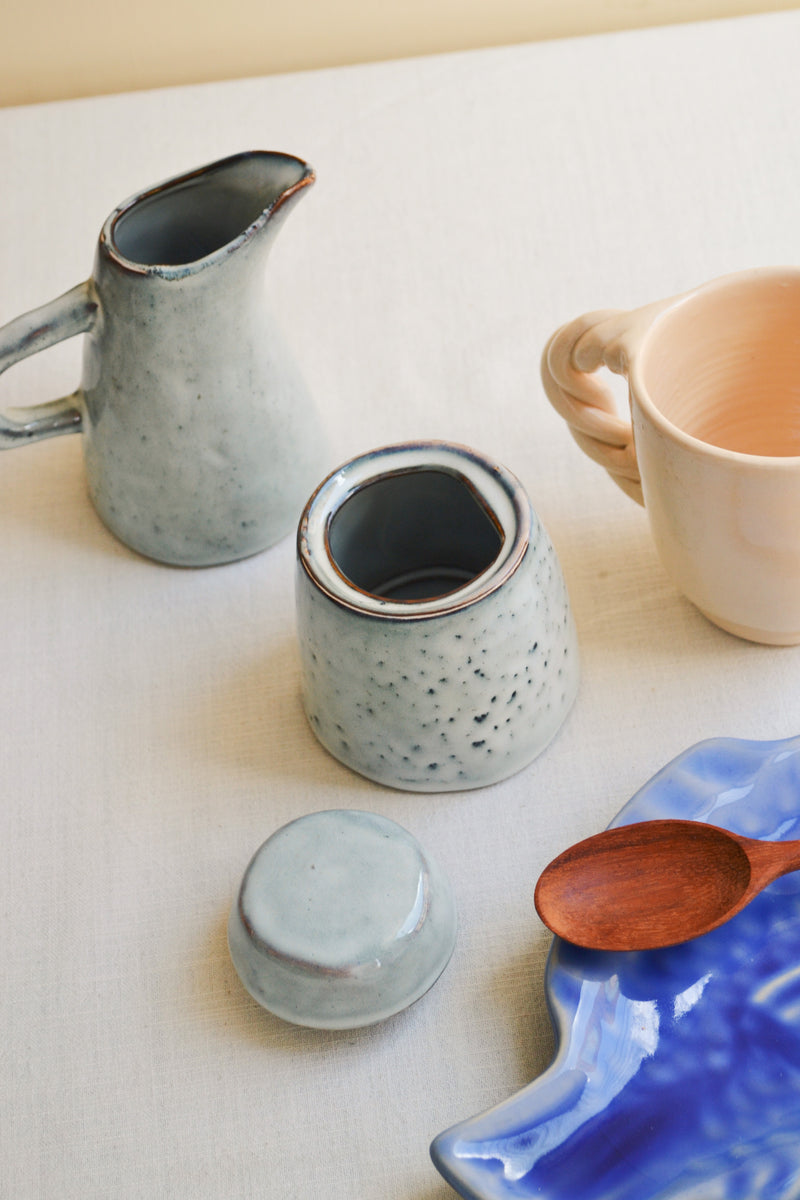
437 642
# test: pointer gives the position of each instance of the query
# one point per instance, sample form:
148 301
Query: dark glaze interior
185 221
414 535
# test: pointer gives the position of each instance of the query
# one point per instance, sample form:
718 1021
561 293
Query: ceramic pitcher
201 442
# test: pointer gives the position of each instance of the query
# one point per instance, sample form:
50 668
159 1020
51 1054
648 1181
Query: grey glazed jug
201 442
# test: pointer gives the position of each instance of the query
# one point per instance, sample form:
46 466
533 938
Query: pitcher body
201 441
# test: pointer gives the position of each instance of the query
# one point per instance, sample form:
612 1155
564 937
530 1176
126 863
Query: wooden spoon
656 883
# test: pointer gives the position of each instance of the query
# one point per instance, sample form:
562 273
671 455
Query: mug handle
74 312
572 355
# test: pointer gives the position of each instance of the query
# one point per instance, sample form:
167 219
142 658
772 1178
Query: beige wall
53 49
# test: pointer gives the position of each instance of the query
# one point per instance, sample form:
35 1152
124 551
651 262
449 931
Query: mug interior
723 365
413 535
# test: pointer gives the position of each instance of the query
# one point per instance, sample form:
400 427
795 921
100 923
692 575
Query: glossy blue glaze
677 1072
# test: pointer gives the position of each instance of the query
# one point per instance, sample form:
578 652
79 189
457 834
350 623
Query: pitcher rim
109 249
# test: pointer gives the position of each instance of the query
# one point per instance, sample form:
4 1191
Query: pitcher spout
194 219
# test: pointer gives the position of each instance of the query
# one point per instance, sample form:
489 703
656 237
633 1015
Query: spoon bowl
656 883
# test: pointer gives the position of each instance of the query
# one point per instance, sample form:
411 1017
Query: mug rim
495 487
645 332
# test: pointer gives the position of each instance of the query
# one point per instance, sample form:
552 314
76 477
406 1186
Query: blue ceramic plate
677 1072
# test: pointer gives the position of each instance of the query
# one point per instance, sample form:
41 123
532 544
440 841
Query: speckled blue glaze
201 441
455 690
677 1072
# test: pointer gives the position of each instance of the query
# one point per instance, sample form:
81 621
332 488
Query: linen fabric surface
153 735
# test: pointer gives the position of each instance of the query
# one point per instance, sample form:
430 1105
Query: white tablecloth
152 734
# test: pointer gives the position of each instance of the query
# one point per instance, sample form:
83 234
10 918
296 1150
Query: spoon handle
770 860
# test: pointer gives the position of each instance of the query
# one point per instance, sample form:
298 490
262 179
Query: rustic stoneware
713 445
201 442
341 920
437 643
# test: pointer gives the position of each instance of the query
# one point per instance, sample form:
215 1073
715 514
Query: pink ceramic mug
713 445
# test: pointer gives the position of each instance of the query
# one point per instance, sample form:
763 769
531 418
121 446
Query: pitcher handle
74 312
572 355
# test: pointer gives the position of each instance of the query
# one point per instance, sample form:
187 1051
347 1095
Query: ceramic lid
341 920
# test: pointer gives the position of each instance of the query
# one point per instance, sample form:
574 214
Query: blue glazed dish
677 1071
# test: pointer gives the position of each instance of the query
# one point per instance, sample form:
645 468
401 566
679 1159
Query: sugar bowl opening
414 535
